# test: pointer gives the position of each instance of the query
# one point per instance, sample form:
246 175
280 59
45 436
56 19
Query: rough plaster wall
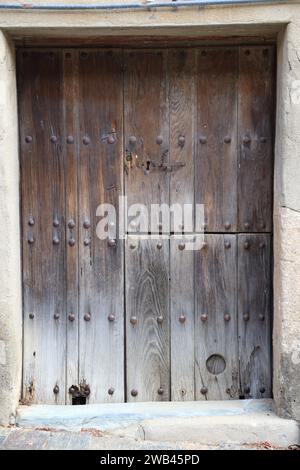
10 289
287 226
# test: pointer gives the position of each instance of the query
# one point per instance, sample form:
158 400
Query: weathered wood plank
147 320
43 225
182 99
182 320
216 368
146 128
216 157
254 314
255 130
101 304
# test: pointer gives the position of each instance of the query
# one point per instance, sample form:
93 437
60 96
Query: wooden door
146 319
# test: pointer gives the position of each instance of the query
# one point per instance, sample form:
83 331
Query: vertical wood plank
101 341
146 128
147 320
255 124
216 157
216 368
43 225
182 321
71 142
254 314
182 100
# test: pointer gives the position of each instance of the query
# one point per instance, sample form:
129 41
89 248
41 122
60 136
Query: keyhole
148 165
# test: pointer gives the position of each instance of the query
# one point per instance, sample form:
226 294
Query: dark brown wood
101 342
146 120
43 221
216 350
216 157
147 320
255 130
254 314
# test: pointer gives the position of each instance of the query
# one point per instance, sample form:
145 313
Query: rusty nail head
87 241
132 139
204 390
204 317
56 389
72 241
160 391
246 316
111 317
159 245
53 139
160 319
71 223
133 320
134 392
70 139
182 318
111 391
30 240
227 317
86 140
181 246
227 244
112 242
31 221
203 140
28 139
87 317
159 139
56 316
227 139
71 317
31 316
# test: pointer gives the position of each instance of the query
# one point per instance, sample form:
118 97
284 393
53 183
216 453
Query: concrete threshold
208 422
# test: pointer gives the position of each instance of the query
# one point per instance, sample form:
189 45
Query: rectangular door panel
216 361
216 156
254 314
146 130
101 301
40 80
147 320
255 130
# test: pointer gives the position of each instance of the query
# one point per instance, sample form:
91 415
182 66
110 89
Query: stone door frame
246 23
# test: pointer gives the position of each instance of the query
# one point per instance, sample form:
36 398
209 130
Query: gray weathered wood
254 314
147 301
255 129
43 200
216 157
101 342
182 329
215 297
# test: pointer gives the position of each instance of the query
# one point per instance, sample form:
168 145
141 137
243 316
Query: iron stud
204 245
261 316
71 223
31 221
55 223
246 139
262 389
87 317
132 246
70 139
71 317
111 317
247 245
31 240
227 139
86 140
160 391
203 140
55 240
86 224
227 317
159 140
53 139
133 320
56 389
181 140
181 246
28 139
204 317
247 225
132 139
204 390
160 319
87 241
182 318
227 225
56 316
262 225
134 392
72 241
31 316
159 246
262 245
227 245
263 140
246 316
111 139
112 242
111 391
